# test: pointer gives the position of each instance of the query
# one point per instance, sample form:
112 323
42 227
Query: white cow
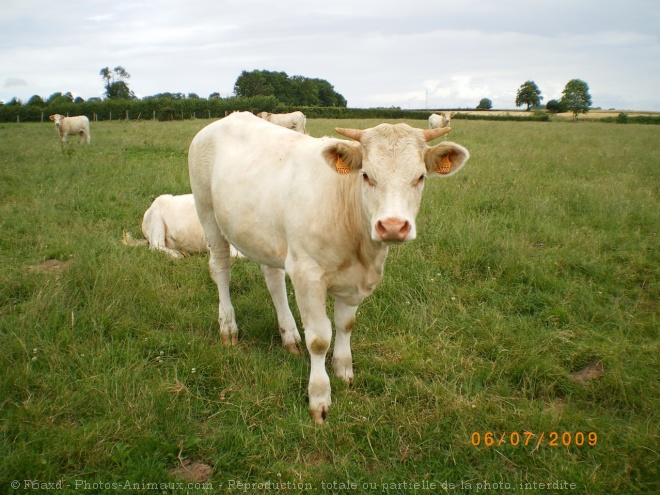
171 225
70 126
323 210
294 120
439 121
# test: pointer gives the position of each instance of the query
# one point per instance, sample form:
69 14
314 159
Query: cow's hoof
229 339
319 415
293 348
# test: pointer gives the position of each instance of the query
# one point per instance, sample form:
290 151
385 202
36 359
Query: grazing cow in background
323 210
439 121
295 120
70 126
171 225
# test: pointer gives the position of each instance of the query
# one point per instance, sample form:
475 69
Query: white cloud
12 82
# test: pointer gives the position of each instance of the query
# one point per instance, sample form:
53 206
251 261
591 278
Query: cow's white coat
279 198
295 120
438 121
70 126
171 225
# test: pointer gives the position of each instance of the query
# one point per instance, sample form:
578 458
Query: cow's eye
366 179
421 179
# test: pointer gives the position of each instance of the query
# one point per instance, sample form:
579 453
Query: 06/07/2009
527 438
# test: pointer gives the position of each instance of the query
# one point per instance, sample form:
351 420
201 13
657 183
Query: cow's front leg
276 283
311 293
342 360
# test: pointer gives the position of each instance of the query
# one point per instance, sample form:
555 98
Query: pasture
513 347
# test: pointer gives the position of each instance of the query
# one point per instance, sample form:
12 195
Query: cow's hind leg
342 359
156 233
219 267
275 281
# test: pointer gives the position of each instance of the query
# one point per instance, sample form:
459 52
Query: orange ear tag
444 166
341 167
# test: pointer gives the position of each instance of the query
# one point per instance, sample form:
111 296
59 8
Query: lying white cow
325 210
294 120
439 121
171 225
70 126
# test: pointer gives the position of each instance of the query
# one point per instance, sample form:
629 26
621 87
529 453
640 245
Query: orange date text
531 439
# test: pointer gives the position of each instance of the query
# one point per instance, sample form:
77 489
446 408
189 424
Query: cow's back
259 180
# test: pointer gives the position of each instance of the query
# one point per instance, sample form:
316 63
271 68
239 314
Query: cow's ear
51 117
445 159
344 157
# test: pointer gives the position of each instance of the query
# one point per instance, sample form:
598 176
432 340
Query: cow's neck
363 267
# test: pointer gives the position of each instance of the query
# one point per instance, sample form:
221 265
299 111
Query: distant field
591 115
513 347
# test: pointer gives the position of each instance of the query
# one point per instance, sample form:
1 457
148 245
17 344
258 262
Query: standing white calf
295 120
439 121
70 126
323 210
171 225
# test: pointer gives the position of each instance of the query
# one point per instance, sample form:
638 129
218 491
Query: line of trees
290 90
575 98
255 91
165 106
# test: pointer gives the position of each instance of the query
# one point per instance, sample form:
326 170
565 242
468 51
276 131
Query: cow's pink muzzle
393 229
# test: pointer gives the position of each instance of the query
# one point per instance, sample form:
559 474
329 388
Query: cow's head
57 118
392 163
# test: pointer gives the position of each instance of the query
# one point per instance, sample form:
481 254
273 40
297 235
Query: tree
59 98
294 90
528 94
252 84
304 92
328 97
36 101
485 104
576 97
115 85
555 106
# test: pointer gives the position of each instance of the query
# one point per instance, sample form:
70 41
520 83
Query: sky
377 53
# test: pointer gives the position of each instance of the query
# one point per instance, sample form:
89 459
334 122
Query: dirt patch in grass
555 407
50 266
589 373
195 472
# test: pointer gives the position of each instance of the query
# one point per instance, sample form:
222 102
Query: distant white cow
439 121
325 211
295 120
70 126
171 225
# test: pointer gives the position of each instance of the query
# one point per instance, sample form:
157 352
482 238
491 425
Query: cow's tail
128 240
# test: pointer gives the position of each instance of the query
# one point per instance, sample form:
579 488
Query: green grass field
523 319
